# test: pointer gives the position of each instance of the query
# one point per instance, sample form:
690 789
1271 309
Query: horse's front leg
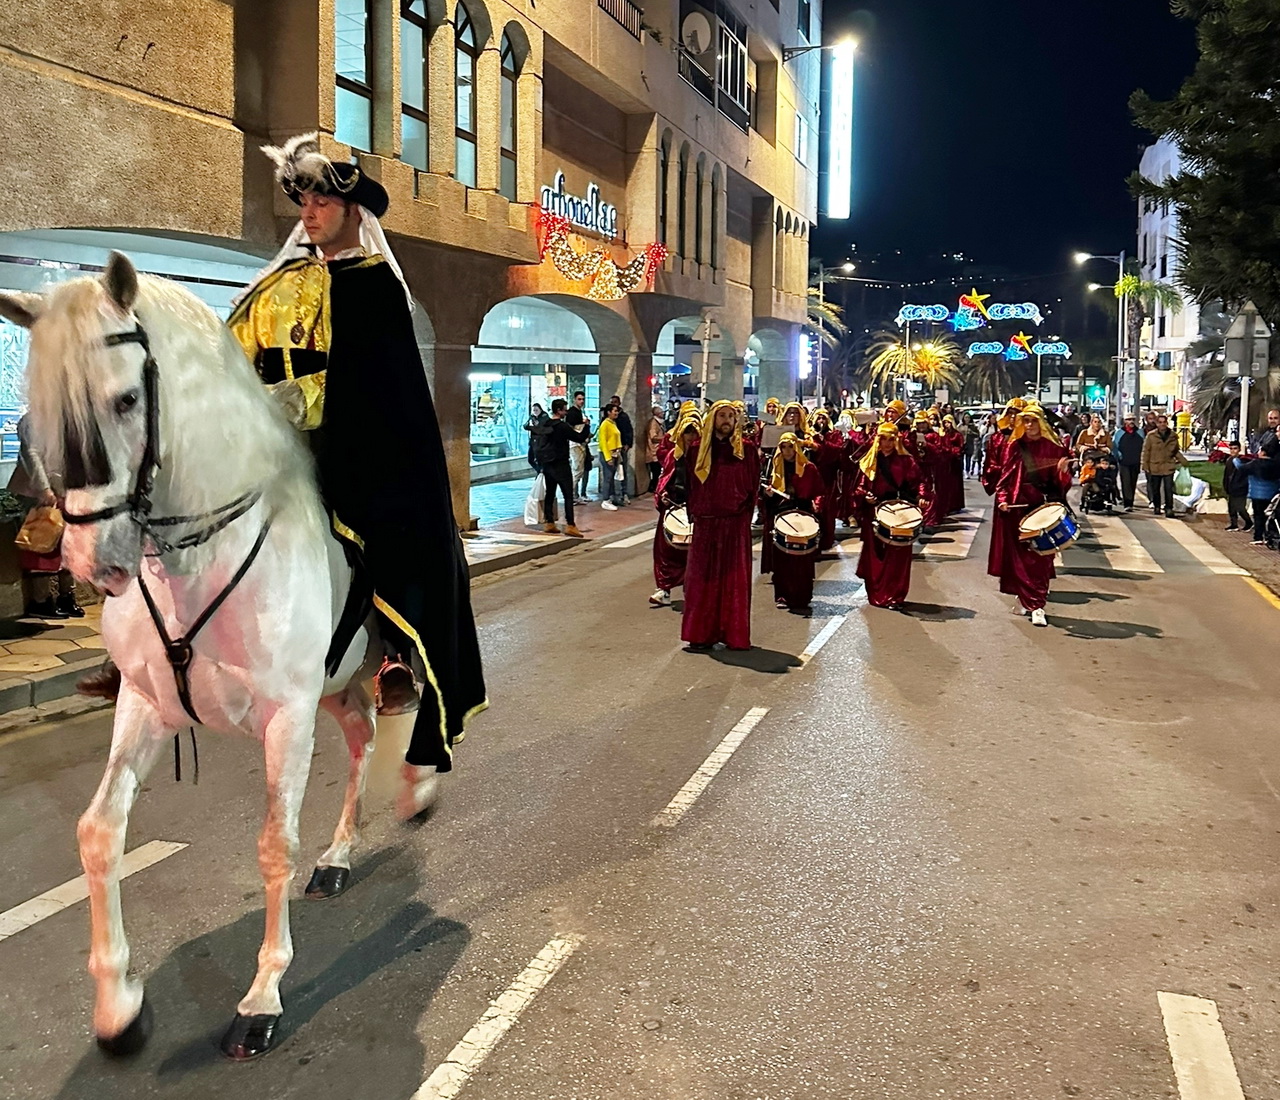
287 741
121 1017
353 710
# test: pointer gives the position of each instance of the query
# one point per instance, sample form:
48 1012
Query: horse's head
89 412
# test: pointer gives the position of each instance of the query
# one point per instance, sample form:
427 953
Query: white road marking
962 537
449 1077
1129 556
60 897
1208 556
823 637
629 541
709 769
1201 1057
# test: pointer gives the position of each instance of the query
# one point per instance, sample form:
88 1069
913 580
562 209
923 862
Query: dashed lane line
822 638
1202 1059
451 1075
708 770
59 898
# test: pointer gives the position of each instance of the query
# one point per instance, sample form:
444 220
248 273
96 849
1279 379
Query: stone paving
30 645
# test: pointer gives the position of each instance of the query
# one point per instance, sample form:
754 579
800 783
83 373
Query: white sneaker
1018 609
608 506
1037 617
660 598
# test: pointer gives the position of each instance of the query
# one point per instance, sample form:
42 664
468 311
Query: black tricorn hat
301 167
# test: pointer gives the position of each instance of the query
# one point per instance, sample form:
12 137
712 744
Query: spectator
972 451
555 439
579 453
537 418
609 440
1148 423
1160 457
628 442
1272 430
1264 484
1235 485
1127 446
1093 438
652 439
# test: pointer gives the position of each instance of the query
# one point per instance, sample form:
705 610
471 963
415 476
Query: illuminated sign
1056 347
840 151
1023 311
972 313
586 213
1020 347
990 348
922 313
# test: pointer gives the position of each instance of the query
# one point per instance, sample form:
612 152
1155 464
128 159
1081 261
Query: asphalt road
957 857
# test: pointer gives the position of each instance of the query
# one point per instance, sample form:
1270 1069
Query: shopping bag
1182 481
41 531
533 502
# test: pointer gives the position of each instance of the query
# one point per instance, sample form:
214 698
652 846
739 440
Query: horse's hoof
134 1037
419 789
328 882
249 1036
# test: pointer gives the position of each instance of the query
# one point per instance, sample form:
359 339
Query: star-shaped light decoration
977 301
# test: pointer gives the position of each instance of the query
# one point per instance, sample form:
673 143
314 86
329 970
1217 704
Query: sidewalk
41 659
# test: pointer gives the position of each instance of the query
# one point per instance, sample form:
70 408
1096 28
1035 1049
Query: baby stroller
1271 532
1098 483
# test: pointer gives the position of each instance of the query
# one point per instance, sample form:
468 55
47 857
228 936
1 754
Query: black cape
385 481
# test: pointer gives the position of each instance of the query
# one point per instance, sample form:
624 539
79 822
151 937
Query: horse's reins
137 505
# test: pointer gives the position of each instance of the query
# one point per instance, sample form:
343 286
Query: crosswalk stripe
1129 555
961 530
1202 1059
630 541
1207 555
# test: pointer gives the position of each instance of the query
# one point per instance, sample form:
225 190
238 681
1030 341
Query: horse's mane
221 434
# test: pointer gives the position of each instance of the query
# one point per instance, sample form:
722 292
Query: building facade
137 126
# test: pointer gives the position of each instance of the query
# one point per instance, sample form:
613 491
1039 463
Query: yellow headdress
802 429
895 411
703 468
868 461
688 418
779 480
949 419
1032 409
772 403
1010 413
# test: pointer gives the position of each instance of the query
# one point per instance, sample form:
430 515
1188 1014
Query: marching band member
795 418
668 561
886 472
794 483
928 455
1036 469
951 467
1003 526
828 454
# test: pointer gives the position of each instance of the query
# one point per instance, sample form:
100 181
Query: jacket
1128 447
609 438
1264 476
1160 453
1235 481
1088 441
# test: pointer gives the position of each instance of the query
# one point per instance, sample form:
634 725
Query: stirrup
398 700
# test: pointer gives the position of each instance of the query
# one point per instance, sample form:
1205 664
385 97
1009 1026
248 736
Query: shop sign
588 212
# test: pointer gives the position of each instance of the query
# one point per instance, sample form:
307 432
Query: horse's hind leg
288 741
121 1018
354 712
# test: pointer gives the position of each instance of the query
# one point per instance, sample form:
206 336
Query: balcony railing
626 14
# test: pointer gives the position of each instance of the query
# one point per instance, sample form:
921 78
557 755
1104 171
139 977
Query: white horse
193 504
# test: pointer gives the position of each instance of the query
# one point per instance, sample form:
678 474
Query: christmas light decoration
972 313
966 319
922 313
1023 311
975 302
608 281
992 348
1054 347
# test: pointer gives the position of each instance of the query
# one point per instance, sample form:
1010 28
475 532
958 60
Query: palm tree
986 378
825 320
935 363
1143 297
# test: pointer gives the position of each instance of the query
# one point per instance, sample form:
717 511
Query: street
952 855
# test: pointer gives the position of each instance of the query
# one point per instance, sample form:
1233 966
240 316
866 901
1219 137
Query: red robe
668 561
829 458
951 472
1024 573
859 443
930 458
885 569
717 585
792 573
992 461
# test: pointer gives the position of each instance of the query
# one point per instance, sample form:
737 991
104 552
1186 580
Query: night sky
1001 128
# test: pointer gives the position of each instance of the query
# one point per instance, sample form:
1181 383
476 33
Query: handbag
41 531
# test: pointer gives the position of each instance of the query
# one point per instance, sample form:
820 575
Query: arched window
507 183
415 33
467 53
682 203
664 187
353 98
699 210
716 200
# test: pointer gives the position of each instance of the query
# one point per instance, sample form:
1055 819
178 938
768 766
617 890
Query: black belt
271 363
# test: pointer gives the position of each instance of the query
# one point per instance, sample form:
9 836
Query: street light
788 52
1121 361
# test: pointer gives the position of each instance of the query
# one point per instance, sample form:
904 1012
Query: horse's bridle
137 505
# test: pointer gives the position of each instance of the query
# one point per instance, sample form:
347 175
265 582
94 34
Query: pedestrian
1161 456
885 473
580 453
555 438
1126 444
1235 485
972 442
1272 430
628 433
721 477
537 418
1093 437
1264 483
1148 423
654 434
951 467
609 440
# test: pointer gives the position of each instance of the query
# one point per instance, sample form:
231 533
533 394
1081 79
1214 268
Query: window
415 33
353 101
715 217
802 139
732 95
699 218
1164 264
507 184
1162 324
804 18
664 186
467 53
682 209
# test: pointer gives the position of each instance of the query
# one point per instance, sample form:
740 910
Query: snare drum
795 533
677 528
898 523
1049 529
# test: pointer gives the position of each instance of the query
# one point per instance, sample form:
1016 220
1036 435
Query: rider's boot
395 690
102 684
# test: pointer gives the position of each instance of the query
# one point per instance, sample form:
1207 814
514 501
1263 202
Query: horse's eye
126 401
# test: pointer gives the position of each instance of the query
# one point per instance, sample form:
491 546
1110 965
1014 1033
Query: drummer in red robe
951 467
1004 525
794 484
1036 470
886 472
927 451
827 453
669 561
721 476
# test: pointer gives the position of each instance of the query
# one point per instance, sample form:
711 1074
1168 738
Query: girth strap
178 651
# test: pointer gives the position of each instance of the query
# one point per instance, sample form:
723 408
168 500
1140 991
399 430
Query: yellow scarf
895 411
689 418
867 464
702 470
1046 429
1010 414
779 480
801 429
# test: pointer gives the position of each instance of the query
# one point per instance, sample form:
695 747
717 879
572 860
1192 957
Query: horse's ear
121 282
21 309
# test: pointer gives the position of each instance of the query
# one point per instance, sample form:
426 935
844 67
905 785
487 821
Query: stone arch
682 200
481 20
676 341
772 353
521 47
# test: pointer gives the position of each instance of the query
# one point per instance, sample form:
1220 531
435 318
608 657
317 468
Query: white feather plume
300 164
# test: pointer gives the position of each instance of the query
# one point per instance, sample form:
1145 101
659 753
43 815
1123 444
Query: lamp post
848 267
1122 363
788 52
